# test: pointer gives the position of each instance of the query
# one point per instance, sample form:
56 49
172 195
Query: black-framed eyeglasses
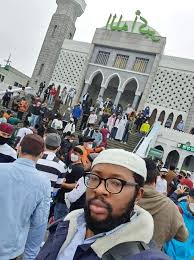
112 185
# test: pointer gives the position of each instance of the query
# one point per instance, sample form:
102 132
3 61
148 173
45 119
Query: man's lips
98 207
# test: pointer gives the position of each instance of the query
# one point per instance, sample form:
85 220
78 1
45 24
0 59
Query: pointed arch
112 76
162 117
172 159
94 74
169 121
128 81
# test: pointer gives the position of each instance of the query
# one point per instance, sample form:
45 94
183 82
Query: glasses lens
92 181
114 185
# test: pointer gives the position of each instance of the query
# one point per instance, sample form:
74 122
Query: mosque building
125 62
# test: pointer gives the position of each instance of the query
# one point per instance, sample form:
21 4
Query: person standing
25 202
85 99
168 222
181 125
35 113
22 108
115 128
52 167
105 132
121 128
88 131
125 138
97 136
46 94
52 95
70 96
7 153
70 127
111 122
57 104
41 88
171 177
161 183
22 132
76 113
64 94
57 123
86 114
66 116
7 97
92 118
75 172
145 128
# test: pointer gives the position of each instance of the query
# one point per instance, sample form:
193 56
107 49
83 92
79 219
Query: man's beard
111 222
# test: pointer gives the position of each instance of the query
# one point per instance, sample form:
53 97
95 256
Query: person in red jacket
52 95
105 132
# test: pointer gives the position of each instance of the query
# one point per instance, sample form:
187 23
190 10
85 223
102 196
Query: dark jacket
96 251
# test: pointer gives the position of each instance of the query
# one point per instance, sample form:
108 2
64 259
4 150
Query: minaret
62 26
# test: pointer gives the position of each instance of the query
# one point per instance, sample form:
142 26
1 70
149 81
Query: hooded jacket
168 222
178 250
139 229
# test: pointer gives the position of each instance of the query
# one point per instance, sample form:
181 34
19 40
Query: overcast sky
23 25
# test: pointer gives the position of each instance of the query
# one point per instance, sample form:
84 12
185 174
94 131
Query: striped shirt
53 168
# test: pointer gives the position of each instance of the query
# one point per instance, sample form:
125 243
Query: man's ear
139 194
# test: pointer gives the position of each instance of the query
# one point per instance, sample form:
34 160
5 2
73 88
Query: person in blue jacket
76 113
184 250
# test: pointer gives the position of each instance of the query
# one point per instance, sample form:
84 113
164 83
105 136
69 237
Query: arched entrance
172 159
169 121
188 163
112 88
153 117
159 147
95 86
179 118
161 117
128 94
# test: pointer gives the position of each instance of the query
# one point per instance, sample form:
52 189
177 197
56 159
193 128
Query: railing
147 141
175 135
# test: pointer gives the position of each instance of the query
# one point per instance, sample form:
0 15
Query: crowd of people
97 203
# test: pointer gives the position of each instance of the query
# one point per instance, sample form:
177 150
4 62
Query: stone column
118 96
180 162
102 90
136 100
173 122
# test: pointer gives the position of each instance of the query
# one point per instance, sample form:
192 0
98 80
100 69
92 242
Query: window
41 69
54 31
16 84
102 57
121 61
2 78
140 64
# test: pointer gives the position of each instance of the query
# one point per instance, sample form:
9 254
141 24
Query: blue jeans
60 210
126 137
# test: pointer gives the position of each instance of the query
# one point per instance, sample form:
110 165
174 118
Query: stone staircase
132 143
134 139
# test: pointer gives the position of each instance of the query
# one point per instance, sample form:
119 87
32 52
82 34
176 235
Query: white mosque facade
125 61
